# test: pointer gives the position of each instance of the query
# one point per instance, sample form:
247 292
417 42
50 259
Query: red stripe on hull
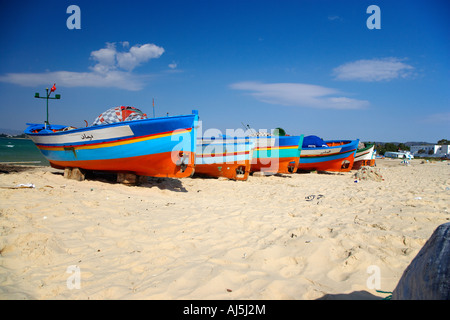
224 170
337 165
154 165
274 165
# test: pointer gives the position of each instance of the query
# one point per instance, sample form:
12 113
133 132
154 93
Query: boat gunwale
365 148
102 126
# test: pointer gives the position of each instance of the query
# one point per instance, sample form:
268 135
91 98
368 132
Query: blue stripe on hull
280 141
133 149
144 139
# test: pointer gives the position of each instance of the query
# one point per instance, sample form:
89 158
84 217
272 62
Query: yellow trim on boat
113 144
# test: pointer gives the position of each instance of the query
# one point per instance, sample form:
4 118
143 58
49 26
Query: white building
399 155
432 150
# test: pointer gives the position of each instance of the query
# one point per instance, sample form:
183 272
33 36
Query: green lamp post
47 96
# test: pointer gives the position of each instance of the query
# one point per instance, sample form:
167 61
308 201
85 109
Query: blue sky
310 67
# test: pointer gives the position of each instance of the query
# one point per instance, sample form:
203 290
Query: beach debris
20 186
26 185
313 196
368 173
428 275
388 293
229 290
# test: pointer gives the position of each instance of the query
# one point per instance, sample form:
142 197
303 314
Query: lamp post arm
48 95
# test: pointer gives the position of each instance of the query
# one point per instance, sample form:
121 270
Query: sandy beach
301 236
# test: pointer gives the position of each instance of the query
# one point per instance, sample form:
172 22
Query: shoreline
14 138
195 238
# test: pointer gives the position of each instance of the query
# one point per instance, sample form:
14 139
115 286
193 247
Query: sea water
21 151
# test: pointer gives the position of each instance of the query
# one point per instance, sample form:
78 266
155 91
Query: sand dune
301 236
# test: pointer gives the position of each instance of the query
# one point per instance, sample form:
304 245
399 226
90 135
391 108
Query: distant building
399 155
431 150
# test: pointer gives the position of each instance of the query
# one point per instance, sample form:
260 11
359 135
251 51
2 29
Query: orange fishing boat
227 157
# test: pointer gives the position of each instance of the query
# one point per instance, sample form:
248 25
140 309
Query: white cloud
138 55
106 58
373 70
115 79
299 94
173 65
110 58
112 69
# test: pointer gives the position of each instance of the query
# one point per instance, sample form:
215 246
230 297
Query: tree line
382 148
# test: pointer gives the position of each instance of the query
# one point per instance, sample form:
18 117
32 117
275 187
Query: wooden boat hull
337 156
229 158
157 147
276 154
364 157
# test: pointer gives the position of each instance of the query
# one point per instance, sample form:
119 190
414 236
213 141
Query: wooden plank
75 174
128 178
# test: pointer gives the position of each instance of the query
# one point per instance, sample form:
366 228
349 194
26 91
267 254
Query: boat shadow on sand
11 168
355 295
171 184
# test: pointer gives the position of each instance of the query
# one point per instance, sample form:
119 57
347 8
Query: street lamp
47 96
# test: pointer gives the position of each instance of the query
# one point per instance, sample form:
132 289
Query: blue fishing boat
157 147
330 155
